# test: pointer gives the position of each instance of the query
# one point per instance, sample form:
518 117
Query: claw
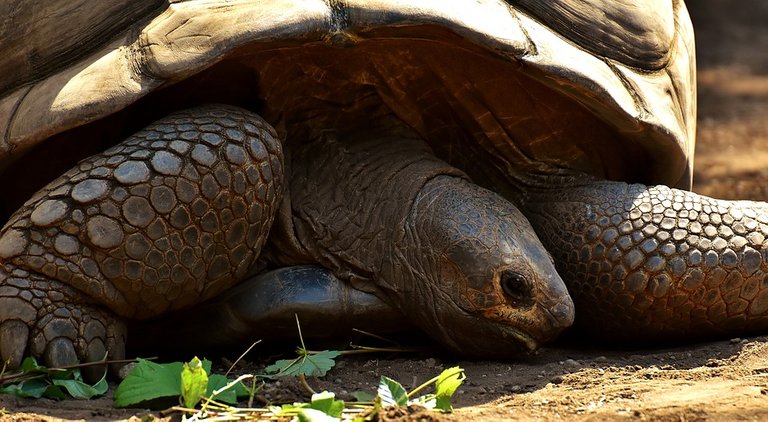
116 335
13 342
60 352
95 351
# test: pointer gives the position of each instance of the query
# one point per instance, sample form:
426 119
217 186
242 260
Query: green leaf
314 415
29 364
447 383
230 395
392 393
63 374
194 382
149 381
79 389
54 392
326 402
315 364
363 396
282 365
53 383
33 389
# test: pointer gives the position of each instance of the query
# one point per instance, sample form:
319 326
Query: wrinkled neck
347 205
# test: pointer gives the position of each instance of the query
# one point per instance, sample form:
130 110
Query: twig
231 367
357 349
376 336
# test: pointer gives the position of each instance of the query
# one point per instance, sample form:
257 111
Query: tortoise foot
51 321
266 306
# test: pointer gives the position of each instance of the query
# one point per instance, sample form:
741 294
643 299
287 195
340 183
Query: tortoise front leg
656 262
267 305
171 216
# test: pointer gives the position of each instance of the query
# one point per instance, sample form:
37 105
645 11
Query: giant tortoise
389 143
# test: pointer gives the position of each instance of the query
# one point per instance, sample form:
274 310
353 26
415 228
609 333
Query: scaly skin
173 215
387 215
646 263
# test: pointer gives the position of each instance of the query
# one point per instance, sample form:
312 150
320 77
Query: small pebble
572 363
557 379
126 369
735 340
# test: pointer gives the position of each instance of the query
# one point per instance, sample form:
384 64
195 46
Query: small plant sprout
392 392
151 382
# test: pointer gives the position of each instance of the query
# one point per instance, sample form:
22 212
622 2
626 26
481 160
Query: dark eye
517 288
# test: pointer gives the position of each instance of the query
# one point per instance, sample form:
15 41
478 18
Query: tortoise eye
517 288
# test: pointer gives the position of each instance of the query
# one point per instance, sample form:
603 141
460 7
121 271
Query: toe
116 335
60 352
14 335
95 351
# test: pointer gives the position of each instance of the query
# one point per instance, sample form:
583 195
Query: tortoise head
490 288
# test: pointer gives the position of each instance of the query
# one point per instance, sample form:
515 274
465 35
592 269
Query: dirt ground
723 380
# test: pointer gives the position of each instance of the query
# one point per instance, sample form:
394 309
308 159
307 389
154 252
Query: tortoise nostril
562 314
517 288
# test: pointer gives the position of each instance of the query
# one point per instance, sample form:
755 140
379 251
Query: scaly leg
174 215
655 262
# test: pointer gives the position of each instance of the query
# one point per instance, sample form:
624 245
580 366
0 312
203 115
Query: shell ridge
12 120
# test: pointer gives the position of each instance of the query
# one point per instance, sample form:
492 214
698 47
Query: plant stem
423 386
306 385
20 375
33 373
298 326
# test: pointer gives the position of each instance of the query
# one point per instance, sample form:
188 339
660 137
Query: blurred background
732 52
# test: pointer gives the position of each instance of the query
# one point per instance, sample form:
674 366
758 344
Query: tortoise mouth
492 338
482 112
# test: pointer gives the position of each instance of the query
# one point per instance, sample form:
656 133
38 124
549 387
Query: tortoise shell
498 89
